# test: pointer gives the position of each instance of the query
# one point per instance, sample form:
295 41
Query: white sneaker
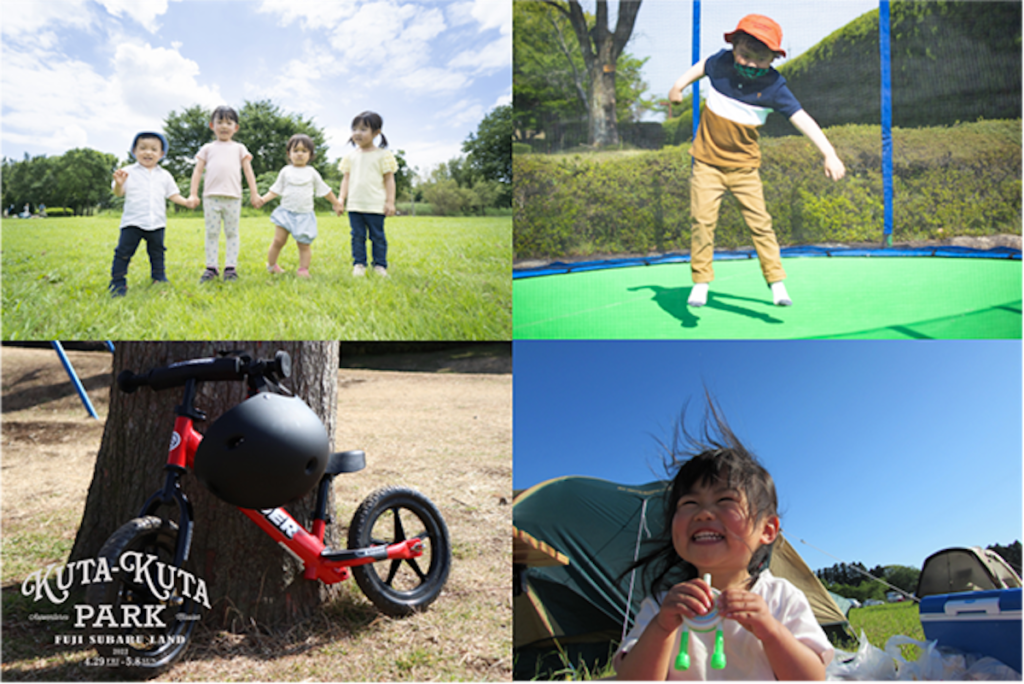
381 271
358 271
779 295
698 295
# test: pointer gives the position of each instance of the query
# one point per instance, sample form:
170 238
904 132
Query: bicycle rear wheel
147 639
390 515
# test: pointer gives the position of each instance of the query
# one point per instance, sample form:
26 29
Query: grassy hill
951 62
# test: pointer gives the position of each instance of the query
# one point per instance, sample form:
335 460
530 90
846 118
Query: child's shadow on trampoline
672 300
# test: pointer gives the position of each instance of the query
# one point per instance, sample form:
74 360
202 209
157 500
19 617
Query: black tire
401 587
148 535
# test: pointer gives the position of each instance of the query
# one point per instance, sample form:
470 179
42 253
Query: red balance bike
268 450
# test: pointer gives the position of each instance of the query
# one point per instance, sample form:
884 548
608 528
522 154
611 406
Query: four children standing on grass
368 186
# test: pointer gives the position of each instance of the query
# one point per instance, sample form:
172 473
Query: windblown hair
715 456
374 122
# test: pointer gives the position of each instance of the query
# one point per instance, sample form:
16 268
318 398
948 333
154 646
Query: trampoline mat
833 298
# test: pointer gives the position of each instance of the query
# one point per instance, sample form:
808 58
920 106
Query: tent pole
632 574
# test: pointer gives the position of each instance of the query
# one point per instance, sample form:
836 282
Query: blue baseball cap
154 134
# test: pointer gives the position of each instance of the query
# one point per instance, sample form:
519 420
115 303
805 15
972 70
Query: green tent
573 537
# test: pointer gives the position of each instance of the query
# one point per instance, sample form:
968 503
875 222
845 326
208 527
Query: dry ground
446 433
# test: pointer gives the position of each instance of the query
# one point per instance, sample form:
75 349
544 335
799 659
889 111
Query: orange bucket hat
762 28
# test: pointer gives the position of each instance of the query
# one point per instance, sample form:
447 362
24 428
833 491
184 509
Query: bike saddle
345 462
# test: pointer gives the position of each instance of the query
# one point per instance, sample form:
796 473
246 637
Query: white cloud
495 55
144 12
462 112
489 14
155 81
492 14
33 23
312 13
433 80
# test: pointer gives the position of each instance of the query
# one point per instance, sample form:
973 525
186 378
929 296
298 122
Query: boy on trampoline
744 90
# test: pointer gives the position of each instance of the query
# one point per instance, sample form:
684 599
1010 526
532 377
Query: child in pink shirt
222 191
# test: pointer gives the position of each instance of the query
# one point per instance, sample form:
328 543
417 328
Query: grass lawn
450 279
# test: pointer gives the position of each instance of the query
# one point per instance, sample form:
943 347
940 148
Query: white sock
779 294
698 295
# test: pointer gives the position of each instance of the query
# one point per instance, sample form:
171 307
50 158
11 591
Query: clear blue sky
882 452
80 73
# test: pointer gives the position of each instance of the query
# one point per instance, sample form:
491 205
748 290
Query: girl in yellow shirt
368 191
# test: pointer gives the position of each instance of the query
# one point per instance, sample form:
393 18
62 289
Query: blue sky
79 73
882 452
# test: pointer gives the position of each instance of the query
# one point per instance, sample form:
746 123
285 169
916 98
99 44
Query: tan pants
707 187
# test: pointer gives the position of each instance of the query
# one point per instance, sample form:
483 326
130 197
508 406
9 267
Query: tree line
855 580
80 179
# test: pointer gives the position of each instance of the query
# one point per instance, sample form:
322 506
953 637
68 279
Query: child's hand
192 202
684 600
339 208
834 168
389 208
120 176
675 94
257 201
748 609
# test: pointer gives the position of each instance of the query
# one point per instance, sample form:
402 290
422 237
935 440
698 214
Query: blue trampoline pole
696 58
885 55
74 379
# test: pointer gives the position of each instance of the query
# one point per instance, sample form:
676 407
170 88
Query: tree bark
248 576
601 49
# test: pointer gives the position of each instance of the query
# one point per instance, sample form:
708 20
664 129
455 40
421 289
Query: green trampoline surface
833 298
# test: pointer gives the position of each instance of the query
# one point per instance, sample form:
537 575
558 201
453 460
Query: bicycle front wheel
148 627
394 514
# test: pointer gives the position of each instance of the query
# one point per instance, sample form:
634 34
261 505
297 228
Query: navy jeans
126 246
374 225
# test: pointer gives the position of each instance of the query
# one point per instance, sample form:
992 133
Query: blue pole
74 379
696 58
885 55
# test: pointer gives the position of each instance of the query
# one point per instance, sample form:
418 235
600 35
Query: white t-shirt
297 185
145 197
744 654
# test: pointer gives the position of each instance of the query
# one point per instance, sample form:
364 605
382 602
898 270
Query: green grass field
450 279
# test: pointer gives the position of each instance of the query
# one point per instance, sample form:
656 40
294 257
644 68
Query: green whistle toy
711 622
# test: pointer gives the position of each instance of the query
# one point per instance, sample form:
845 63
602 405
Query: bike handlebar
213 369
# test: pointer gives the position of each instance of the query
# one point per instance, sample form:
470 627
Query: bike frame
306 546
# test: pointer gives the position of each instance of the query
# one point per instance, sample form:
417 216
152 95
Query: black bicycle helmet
266 452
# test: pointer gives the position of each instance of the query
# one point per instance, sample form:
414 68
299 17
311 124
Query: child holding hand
297 185
146 187
223 161
721 519
726 157
368 187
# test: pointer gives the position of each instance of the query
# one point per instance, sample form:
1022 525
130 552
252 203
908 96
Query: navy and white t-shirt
734 110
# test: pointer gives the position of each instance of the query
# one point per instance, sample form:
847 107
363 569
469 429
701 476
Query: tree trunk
248 576
601 49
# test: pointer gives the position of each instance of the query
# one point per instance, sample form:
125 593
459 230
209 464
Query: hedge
959 180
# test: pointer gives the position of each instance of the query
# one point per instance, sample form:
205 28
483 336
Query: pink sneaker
274 268
302 273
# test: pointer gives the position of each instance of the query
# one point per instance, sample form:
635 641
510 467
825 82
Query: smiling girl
722 520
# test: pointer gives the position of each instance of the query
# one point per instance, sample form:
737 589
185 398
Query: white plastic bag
868 663
871 663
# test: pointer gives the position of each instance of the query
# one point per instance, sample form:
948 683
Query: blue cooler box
985 622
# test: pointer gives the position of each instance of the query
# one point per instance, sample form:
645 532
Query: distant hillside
951 61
